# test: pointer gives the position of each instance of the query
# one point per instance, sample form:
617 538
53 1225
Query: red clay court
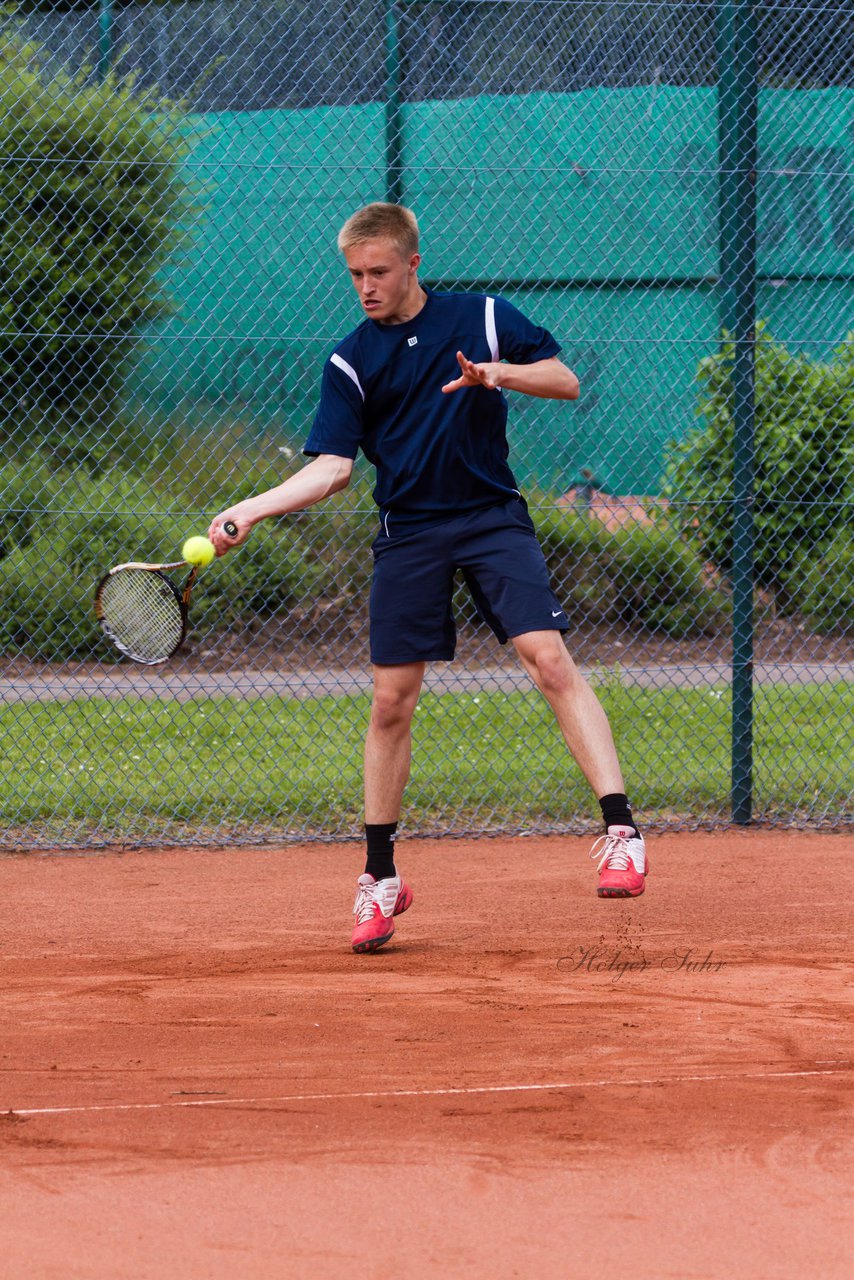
200 1080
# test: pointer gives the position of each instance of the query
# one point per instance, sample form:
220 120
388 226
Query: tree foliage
804 470
88 209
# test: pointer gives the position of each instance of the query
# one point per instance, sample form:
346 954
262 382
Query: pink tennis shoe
623 865
377 903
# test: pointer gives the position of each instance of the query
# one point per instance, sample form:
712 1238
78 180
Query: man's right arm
318 479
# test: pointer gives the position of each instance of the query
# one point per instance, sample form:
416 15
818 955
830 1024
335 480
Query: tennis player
420 387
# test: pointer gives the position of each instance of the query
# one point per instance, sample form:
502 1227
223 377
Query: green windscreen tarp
596 212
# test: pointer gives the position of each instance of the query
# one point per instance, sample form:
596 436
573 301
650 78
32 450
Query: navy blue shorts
502 563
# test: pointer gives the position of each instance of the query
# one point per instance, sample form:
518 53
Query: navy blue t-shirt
436 454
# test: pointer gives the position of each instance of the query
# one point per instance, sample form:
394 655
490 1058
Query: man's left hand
475 375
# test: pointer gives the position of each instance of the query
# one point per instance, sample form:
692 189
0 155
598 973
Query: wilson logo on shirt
411 342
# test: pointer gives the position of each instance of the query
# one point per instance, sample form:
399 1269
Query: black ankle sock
380 837
617 813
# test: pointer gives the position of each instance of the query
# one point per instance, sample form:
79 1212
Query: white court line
418 1093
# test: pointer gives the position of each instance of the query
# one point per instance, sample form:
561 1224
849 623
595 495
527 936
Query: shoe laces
369 896
363 908
612 851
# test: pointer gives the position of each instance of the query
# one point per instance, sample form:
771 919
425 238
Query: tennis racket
142 611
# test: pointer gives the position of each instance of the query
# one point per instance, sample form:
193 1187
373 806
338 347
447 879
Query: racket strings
141 614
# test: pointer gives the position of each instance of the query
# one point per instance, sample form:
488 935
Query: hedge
61 529
67 530
646 575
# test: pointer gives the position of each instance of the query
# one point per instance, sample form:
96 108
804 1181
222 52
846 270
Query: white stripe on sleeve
348 369
491 331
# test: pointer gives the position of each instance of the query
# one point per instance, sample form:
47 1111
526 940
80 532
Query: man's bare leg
381 893
621 854
578 711
388 743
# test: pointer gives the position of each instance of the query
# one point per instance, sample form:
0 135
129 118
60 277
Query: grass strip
91 770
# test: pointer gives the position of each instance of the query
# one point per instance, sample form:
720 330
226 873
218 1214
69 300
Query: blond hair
381 221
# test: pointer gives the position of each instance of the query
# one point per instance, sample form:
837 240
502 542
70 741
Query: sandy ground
199 1078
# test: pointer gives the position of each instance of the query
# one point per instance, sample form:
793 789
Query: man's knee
393 705
390 714
553 669
558 675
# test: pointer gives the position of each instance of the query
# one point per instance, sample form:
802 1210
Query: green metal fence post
105 39
726 176
393 108
737 105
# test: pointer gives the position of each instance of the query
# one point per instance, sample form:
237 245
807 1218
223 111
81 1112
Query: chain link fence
665 186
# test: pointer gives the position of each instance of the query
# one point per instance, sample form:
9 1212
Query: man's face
383 278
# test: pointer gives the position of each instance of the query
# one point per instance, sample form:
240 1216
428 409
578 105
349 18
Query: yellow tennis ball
198 551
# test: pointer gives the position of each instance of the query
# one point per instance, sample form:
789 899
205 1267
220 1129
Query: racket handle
230 528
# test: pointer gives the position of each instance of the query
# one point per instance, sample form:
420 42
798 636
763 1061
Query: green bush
804 454
61 530
823 583
74 529
647 574
88 210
